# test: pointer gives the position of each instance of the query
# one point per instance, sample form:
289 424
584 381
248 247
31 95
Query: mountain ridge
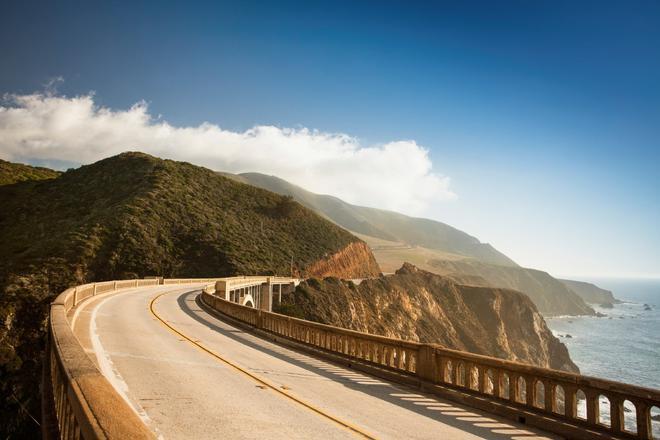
393 241
379 223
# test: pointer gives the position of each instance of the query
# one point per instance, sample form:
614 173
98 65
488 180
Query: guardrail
83 403
544 397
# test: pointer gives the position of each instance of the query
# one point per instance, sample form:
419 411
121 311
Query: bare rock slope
421 306
353 261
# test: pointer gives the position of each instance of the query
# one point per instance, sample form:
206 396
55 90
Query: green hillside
17 172
384 224
130 216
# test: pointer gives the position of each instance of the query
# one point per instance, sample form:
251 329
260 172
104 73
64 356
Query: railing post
643 413
482 377
549 394
442 370
497 383
592 407
514 392
426 363
616 413
530 390
570 401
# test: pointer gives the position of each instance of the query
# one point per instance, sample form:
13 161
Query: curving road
190 375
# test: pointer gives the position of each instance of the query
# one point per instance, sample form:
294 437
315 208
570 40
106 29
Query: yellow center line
254 377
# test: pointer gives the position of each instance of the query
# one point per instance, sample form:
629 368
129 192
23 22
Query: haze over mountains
382 224
434 246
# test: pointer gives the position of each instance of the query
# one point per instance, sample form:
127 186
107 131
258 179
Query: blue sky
544 115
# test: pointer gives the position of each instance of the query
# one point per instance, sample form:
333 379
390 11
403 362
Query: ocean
623 346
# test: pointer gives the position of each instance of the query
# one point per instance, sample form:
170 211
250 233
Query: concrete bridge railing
542 397
83 404
78 401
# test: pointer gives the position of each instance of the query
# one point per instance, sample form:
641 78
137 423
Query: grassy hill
17 172
130 216
382 224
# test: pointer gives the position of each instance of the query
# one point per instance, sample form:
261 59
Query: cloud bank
396 175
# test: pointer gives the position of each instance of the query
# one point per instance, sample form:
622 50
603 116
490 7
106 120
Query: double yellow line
252 376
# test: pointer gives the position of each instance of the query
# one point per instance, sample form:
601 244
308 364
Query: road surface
191 375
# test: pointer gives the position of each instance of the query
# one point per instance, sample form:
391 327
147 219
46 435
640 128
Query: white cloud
396 175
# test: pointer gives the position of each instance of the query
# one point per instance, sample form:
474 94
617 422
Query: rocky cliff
421 306
353 261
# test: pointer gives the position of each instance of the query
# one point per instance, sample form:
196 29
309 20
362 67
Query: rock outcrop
421 306
353 261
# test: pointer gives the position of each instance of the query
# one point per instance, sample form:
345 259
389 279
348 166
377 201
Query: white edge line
111 373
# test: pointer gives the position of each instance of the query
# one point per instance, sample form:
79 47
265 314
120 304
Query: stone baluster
497 382
616 413
482 377
570 401
530 390
593 408
457 372
442 363
549 396
514 391
643 413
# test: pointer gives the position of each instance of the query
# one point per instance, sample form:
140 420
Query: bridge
202 358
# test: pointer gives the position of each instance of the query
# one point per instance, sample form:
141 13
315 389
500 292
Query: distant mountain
551 296
434 246
134 215
591 293
383 224
17 172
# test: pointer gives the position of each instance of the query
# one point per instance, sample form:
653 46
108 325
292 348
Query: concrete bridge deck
213 380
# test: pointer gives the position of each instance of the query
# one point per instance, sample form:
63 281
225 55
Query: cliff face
420 306
551 296
590 292
353 261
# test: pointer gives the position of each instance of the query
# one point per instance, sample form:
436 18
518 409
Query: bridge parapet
539 396
78 401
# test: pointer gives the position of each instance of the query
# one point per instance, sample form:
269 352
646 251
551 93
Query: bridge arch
248 301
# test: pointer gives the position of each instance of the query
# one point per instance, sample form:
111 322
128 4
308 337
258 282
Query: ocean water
623 346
